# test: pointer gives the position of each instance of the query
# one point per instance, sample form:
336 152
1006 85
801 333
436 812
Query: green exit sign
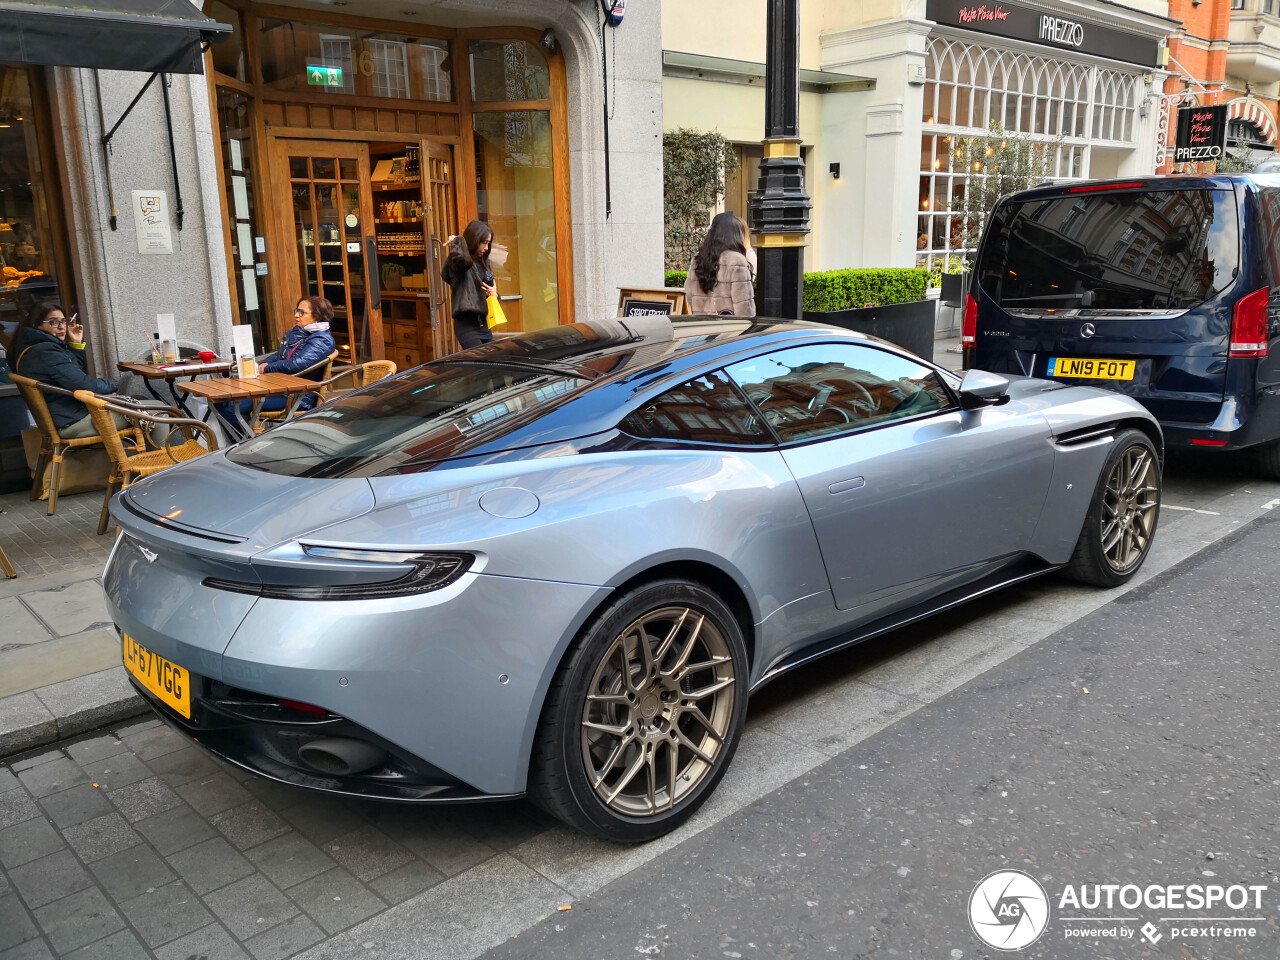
324 76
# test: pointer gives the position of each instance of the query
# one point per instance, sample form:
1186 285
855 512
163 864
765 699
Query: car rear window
427 414
1151 252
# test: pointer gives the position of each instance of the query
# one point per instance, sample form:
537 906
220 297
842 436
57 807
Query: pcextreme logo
1009 911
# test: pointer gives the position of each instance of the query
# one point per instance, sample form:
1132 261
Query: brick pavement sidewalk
136 843
60 670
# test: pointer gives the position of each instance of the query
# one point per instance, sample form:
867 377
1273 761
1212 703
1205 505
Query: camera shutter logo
1008 910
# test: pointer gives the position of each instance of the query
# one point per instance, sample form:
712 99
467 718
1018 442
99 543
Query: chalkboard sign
647 308
650 302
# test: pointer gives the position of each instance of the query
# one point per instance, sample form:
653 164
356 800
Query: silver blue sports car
557 564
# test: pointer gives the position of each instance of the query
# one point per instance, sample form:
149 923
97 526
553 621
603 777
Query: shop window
228 54
390 68
437 78
28 254
508 71
235 130
515 196
304 57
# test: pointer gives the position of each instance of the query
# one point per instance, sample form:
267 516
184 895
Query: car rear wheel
1269 459
644 715
1121 521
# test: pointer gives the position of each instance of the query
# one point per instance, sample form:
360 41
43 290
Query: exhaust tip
341 756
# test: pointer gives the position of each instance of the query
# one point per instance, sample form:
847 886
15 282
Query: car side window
707 409
832 388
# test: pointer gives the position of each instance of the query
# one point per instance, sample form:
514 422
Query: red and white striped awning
1246 108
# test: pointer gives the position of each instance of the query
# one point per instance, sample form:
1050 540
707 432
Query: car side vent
1077 438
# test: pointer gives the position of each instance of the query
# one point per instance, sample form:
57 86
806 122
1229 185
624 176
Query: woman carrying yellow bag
496 316
475 293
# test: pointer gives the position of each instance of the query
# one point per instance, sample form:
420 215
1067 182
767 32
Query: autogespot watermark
1010 910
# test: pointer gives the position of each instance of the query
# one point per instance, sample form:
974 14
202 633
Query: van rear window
1153 252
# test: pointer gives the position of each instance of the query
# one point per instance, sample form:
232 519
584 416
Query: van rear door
1127 286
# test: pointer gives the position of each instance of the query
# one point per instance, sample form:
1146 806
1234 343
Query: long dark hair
321 309
474 239
37 313
725 233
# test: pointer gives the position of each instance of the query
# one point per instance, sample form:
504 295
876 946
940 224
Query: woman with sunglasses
49 347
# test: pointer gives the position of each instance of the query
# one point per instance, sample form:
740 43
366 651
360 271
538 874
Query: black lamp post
779 210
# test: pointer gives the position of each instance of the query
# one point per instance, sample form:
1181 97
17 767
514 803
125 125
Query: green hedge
845 289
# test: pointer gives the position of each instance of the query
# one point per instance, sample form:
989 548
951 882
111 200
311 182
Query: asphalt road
1136 746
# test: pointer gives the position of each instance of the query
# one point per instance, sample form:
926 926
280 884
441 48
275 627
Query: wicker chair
5 563
127 464
325 366
52 445
361 376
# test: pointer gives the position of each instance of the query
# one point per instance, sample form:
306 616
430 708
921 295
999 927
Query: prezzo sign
1022 22
1202 134
1066 32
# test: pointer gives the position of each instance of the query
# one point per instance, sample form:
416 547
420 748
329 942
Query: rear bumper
260 735
451 681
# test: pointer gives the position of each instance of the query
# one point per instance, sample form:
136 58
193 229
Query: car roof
598 348
1154 182
621 360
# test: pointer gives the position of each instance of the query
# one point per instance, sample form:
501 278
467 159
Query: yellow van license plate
168 681
1091 368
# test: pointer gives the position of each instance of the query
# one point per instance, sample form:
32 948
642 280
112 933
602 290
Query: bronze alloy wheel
1129 504
1122 516
658 711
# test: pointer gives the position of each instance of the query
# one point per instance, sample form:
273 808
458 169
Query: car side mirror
982 389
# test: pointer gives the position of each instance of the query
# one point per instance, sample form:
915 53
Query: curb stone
67 708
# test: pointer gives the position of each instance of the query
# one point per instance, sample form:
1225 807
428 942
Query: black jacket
464 276
42 356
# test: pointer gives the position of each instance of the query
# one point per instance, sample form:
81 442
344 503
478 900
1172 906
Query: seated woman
50 348
305 345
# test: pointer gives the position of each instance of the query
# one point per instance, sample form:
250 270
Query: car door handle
843 485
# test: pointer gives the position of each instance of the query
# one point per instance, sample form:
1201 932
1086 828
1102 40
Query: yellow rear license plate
1092 368
168 681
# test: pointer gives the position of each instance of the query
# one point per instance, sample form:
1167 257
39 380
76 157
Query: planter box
909 325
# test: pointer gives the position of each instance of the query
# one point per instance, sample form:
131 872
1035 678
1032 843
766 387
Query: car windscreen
1135 253
428 414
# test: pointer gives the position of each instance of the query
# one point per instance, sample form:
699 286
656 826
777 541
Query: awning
141 35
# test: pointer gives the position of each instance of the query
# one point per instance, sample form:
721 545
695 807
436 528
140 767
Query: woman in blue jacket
49 347
305 345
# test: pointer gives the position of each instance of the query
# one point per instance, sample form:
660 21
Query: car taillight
1249 325
969 329
1104 187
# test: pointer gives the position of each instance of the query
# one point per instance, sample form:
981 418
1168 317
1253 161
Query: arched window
1066 106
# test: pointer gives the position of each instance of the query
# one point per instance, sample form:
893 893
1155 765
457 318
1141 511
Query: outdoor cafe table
233 390
170 372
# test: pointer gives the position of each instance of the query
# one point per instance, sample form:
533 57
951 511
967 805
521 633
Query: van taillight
1249 325
969 329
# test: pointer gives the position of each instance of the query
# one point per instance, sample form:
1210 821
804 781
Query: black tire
1268 455
1117 532
658 750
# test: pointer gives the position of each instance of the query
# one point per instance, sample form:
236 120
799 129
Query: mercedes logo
1087 330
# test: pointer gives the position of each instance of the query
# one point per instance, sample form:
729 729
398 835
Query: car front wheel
644 715
1122 517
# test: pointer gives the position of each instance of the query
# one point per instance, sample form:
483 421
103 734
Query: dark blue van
1163 288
